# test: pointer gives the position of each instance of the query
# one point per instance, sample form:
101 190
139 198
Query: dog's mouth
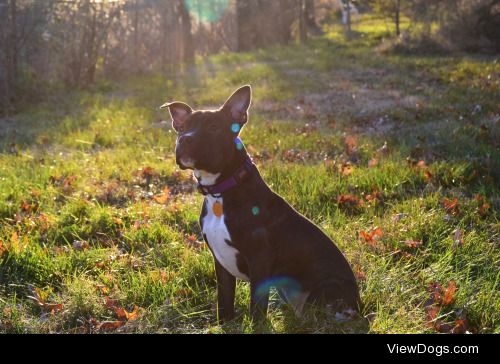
186 163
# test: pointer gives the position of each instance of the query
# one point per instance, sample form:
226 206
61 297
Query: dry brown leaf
413 244
163 197
110 325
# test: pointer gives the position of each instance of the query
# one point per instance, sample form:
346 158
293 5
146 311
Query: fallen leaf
110 325
26 207
449 293
147 171
350 144
111 303
163 197
443 296
193 243
372 237
40 297
120 312
350 202
483 209
372 162
421 164
346 169
118 221
461 326
413 244
67 183
451 206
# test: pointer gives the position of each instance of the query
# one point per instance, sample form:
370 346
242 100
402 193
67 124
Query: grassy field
396 157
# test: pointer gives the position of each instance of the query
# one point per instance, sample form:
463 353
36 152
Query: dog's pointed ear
179 112
238 103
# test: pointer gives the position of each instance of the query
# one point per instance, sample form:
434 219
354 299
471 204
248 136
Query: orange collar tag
217 208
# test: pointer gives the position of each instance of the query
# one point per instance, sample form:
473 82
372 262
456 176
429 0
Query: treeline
69 42
46 44
459 25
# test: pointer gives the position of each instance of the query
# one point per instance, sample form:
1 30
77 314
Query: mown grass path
395 157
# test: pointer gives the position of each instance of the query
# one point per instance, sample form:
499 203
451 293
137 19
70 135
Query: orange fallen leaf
451 206
163 197
461 326
483 209
350 144
449 293
132 316
26 207
67 183
371 237
346 169
16 244
372 162
421 164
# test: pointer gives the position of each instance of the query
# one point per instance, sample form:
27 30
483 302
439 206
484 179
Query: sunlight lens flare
283 284
207 11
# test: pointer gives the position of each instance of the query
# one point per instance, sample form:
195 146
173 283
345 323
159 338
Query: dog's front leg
259 298
226 286
260 273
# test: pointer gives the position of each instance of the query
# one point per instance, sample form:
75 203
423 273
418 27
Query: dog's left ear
238 103
179 112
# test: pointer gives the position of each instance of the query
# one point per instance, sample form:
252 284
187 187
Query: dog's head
208 140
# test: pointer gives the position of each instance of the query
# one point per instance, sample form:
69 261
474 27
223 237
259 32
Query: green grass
79 224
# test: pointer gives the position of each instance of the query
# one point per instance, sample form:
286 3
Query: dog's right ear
179 112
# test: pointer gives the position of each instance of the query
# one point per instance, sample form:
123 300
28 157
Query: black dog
252 232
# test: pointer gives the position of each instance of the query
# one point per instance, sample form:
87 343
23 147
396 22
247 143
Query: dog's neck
209 179
206 178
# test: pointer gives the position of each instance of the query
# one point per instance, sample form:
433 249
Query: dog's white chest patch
217 237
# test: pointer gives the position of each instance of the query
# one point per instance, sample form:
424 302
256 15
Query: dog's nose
185 139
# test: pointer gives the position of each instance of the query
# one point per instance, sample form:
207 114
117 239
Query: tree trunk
302 21
348 20
396 20
243 20
284 21
11 55
136 35
310 15
187 36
